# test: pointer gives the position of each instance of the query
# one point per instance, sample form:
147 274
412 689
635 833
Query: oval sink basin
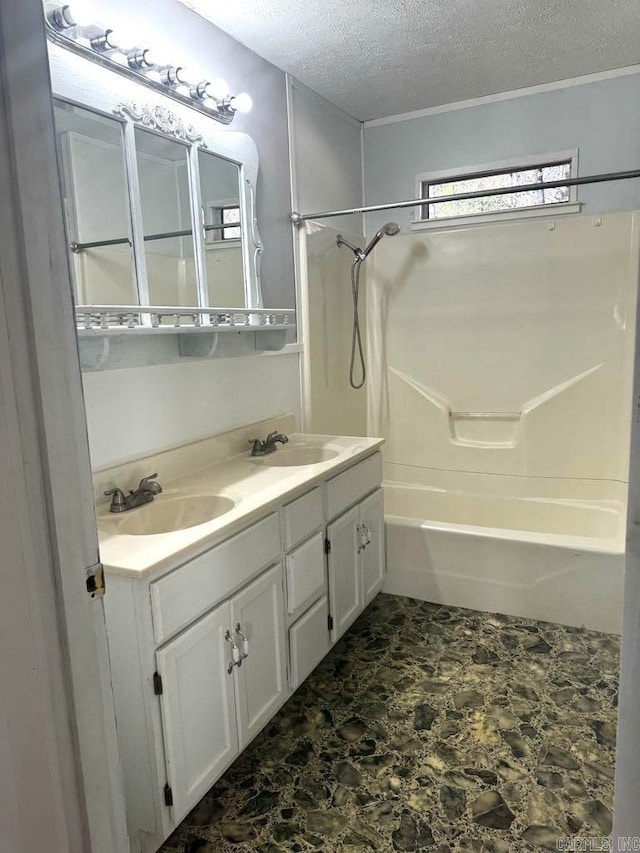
292 456
168 514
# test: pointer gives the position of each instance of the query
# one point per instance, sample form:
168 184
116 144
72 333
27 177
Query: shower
388 230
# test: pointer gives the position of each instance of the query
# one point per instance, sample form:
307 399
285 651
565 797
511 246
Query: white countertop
255 487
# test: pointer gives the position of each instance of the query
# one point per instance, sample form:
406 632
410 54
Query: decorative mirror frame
86 84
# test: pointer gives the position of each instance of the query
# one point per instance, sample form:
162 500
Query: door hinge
327 546
95 580
168 795
330 622
157 684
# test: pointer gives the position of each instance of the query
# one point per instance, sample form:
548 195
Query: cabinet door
345 588
306 572
373 555
309 641
198 708
261 681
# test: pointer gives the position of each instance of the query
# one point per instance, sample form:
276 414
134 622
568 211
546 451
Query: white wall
601 119
626 816
326 172
326 156
137 411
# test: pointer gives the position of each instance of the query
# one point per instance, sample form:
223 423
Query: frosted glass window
230 216
472 183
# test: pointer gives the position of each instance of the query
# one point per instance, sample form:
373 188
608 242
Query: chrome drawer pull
236 657
245 642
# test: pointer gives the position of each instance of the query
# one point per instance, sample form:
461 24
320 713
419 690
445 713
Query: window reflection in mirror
220 195
96 203
163 175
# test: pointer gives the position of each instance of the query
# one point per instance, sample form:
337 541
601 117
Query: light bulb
64 17
122 39
113 40
82 12
241 103
218 89
152 57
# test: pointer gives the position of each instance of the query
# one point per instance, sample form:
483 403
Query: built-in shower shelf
198 328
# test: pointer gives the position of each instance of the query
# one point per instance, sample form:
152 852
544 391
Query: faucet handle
149 484
118 499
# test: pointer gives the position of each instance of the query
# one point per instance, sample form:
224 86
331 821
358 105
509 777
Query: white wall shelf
198 329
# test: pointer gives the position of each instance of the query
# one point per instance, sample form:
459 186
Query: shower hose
356 337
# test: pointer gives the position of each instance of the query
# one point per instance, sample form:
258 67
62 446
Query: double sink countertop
215 498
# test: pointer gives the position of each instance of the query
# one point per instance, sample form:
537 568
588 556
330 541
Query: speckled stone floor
428 728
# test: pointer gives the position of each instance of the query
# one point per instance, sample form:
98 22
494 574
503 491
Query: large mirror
167 227
220 197
159 201
96 200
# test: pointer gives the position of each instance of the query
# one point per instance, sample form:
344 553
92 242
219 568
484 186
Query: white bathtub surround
501 362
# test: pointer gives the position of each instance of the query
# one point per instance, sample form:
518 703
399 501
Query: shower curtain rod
299 218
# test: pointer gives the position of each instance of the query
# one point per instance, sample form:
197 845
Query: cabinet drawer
305 572
191 590
302 517
349 487
309 641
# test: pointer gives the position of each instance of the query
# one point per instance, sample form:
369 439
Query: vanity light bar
72 26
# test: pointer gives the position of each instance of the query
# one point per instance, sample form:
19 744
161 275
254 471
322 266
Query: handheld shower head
388 230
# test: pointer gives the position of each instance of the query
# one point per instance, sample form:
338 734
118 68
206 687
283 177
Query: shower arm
357 251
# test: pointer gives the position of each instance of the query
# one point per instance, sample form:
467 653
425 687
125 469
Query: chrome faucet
262 448
146 491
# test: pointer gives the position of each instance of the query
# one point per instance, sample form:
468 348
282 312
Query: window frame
220 242
515 164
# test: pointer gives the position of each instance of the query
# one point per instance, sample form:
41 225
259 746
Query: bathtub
544 549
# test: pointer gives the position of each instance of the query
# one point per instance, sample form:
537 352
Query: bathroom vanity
212 626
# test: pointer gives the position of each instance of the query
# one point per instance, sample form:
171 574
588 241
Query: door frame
626 815
50 449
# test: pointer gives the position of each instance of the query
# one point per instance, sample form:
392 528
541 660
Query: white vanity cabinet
257 614
356 561
281 591
196 688
306 575
355 542
211 705
372 556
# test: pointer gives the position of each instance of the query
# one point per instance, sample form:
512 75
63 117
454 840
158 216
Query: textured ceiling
376 58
